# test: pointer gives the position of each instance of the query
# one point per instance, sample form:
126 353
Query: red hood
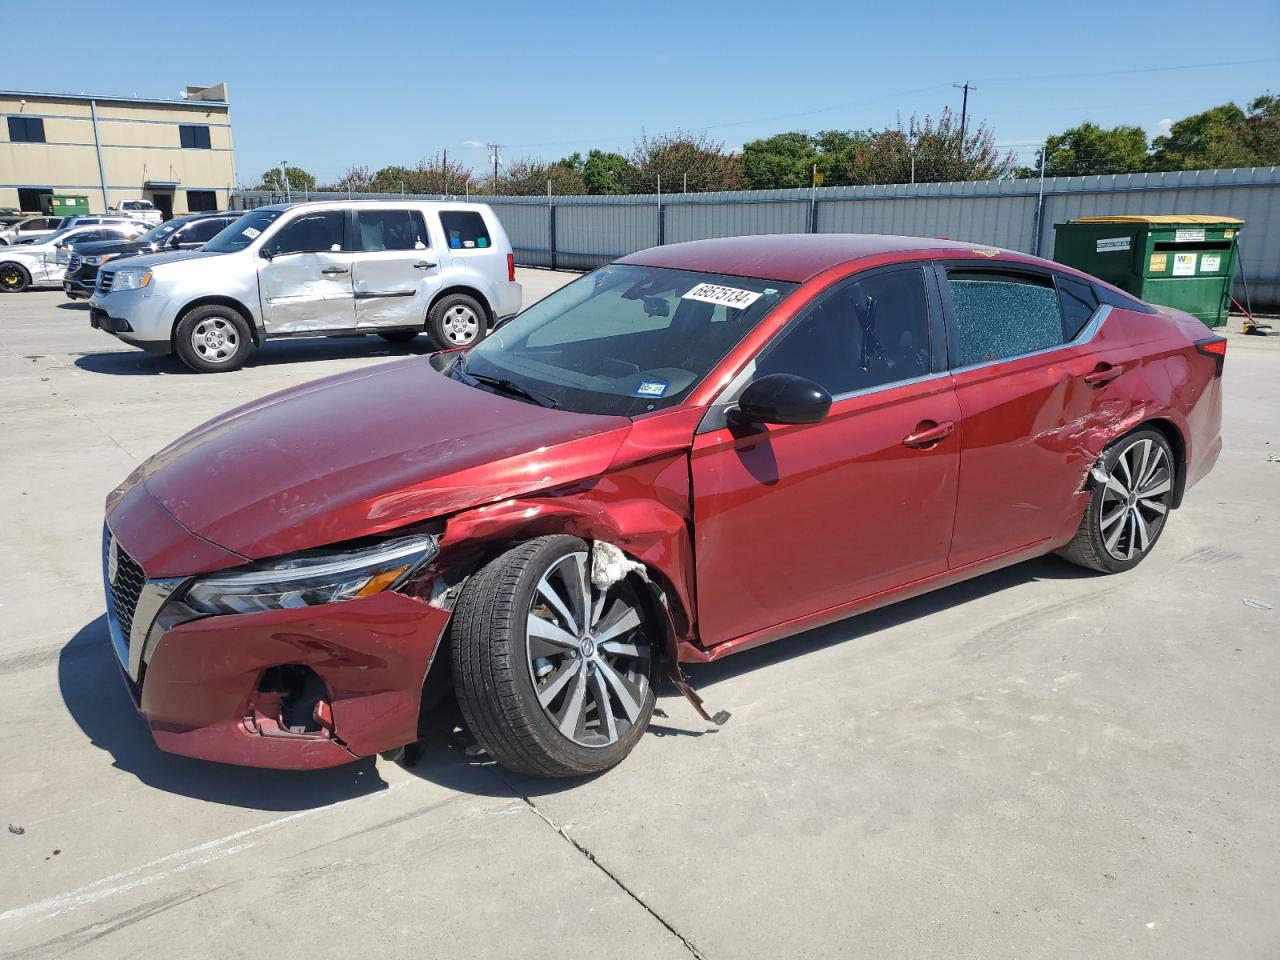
365 452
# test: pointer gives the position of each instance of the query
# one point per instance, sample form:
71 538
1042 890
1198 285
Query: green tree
529 178
1089 149
432 175
931 149
783 160
607 173
1223 136
679 158
299 180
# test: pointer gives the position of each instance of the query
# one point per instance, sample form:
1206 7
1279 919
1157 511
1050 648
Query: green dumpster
1187 261
64 205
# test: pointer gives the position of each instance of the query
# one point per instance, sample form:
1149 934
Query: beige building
175 153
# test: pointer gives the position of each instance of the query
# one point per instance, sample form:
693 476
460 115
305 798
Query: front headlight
131 279
100 260
306 580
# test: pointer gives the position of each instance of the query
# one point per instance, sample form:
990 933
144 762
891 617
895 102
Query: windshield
156 234
240 233
624 339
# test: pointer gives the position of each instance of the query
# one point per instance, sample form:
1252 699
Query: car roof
357 201
791 257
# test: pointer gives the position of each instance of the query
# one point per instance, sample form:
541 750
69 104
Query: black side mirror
175 241
782 398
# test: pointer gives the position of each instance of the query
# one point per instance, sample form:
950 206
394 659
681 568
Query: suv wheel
456 321
213 339
13 278
554 676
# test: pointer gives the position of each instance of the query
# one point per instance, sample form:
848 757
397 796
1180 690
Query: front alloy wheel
554 675
13 279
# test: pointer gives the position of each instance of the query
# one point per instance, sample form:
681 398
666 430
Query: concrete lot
1038 763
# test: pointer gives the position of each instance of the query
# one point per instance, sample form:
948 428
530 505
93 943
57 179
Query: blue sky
325 85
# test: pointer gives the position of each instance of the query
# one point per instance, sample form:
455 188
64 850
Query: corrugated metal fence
583 232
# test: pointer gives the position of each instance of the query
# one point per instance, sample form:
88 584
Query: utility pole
497 159
964 109
284 177
444 171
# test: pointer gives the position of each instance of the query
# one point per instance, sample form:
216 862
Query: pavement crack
591 857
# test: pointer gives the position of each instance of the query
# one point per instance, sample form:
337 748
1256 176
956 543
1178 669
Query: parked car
692 451
143 210
317 269
29 228
45 261
180 233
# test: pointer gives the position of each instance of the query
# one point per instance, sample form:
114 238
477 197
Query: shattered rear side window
1002 314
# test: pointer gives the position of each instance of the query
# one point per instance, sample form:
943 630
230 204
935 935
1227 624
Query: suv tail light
511 268
1215 347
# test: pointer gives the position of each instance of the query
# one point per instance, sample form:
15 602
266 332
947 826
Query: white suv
394 268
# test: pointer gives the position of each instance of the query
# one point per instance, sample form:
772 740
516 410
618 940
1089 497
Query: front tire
456 321
213 339
1132 494
553 675
13 278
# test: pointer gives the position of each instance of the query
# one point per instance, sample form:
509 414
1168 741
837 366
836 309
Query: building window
199 201
26 129
194 137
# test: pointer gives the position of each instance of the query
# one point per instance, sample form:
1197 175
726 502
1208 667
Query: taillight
511 268
1215 347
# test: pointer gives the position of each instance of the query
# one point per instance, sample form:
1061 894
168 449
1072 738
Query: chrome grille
73 263
105 278
125 581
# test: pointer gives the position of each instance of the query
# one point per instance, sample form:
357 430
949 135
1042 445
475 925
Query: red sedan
694 450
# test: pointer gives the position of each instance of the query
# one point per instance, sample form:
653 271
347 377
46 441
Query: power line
906 93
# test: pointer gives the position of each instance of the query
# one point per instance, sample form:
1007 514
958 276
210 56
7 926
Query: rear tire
13 278
456 320
399 336
1132 495
213 339
543 696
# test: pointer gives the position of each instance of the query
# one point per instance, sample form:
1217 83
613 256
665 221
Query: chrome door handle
928 433
423 265
335 271
1102 373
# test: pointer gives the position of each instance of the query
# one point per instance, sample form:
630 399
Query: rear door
793 520
304 281
1032 386
395 271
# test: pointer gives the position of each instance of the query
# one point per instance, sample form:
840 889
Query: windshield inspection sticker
250 232
726 296
651 388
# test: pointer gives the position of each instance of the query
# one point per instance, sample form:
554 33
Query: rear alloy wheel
554 676
13 278
456 321
1131 499
213 339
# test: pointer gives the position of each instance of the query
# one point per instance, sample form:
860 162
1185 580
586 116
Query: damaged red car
691 451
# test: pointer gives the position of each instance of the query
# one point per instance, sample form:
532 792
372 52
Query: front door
1034 400
792 520
395 272
304 276
163 200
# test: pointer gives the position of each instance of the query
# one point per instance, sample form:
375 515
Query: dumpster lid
1158 218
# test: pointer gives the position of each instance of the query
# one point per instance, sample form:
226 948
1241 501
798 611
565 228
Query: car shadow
126 363
81 305
95 696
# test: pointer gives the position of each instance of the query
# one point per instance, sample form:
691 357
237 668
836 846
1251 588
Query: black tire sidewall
23 283
1093 512
435 320
182 339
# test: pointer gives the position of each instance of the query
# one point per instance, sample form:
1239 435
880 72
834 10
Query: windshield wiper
509 387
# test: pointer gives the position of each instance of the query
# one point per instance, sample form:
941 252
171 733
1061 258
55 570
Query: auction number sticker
651 388
1113 244
250 232
734 297
1184 264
